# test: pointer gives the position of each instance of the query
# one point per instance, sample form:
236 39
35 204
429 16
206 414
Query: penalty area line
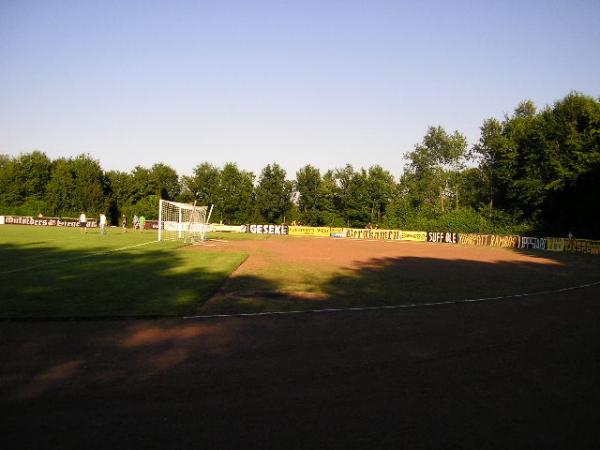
384 307
75 258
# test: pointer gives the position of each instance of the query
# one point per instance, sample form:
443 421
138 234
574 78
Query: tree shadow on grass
157 280
154 280
411 280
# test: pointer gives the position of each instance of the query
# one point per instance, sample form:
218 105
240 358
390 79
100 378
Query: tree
473 189
77 184
60 188
90 184
352 196
310 189
430 175
497 157
203 185
235 195
571 131
164 181
331 213
141 184
273 194
541 167
121 193
381 189
23 182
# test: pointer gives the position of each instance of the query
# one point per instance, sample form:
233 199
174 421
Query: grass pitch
63 273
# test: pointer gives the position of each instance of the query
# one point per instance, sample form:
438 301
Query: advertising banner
385 235
228 228
46 221
313 231
264 229
555 244
418 236
490 240
532 242
151 225
380 235
442 238
582 246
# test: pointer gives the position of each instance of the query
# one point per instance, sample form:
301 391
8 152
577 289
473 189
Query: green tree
540 167
203 185
164 181
61 186
90 184
141 184
430 177
571 129
311 195
273 194
147 207
331 214
121 193
381 189
352 196
235 195
77 184
23 182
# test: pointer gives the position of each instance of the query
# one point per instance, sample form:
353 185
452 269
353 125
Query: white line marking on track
404 306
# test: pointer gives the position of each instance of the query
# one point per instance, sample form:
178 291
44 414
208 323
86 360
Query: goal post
182 221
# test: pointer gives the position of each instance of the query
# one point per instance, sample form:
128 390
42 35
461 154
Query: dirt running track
511 374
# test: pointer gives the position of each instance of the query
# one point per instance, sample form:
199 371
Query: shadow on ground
512 374
153 280
519 373
408 280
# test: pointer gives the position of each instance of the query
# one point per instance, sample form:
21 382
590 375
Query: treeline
532 171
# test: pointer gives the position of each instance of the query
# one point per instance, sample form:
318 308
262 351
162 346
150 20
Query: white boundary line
404 306
49 263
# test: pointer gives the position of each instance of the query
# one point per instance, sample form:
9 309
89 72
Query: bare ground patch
285 273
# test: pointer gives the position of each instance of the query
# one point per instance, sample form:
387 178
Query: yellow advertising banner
380 235
420 236
556 244
491 240
582 246
313 231
385 235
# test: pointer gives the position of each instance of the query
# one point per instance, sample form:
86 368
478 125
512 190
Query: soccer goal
183 221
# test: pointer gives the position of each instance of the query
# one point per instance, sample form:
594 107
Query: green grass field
61 272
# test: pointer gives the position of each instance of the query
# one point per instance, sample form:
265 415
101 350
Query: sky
294 82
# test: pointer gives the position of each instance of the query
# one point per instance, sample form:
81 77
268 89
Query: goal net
182 221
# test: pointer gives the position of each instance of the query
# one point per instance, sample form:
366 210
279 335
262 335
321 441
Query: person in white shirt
102 224
83 222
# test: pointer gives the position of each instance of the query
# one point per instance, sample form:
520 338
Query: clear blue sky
296 82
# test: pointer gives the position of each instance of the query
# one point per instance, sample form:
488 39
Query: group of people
139 223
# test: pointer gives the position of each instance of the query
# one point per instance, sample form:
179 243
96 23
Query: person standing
83 222
142 223
102 224
136 222
124 222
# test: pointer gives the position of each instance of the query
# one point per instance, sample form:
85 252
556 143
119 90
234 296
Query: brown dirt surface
513 374
289 273
516 373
